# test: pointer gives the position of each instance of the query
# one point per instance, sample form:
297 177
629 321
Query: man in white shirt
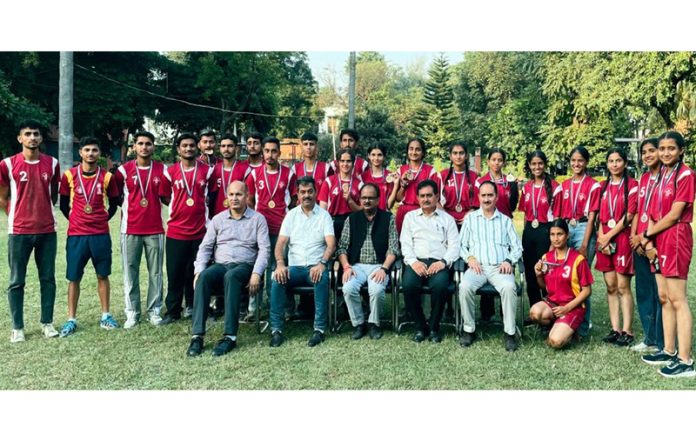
308 232
430 245
489 246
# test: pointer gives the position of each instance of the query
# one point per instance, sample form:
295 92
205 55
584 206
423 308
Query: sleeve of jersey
475 198
557 200
633 198
165 189
64 188
112 190
594 197
685 187
441 183
213 180
120 178
292 179
584 273
324 191
250 182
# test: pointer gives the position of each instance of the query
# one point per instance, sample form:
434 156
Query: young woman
579 206
566 276
536 202
457 184
647 299
340 194
508 192
617 207
410 175
668 243
377 174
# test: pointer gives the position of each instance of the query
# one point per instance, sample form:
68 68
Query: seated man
368 248
308 232
239 237
430 245
489 246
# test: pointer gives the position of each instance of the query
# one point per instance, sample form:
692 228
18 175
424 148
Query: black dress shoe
277 339
419 337
435 337
359 332
510 343
224 346
375 332
196 347
466 339
168 320
316 338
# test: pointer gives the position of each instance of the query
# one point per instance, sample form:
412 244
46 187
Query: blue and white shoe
68 328
678 369
660 358
108 322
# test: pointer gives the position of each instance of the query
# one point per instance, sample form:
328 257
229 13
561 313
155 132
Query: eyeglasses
368 198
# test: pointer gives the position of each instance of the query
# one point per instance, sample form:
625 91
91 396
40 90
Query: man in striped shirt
489 245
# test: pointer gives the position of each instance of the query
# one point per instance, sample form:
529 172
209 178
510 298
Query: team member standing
379 175
668 242
206 145
410 175
349 140
457 184
309 165
225 172
508 192
566 276
254 150
186 186
536 202
141 228
84 192
618 205
28 191
647 299
579 206
340 193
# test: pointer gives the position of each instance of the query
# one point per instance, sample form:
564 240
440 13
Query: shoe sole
656 363
108 328
681 375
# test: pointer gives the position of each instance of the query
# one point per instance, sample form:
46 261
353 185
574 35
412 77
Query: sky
319 61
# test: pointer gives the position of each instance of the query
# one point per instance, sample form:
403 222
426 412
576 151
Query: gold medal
644 218
544 268
459 208
226 203
573 223
88 209
189 202
143 202
611 223
535 223
271 204
345 187
389 179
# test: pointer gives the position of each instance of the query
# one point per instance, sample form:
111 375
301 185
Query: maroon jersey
222 178
96 188
612 202
332 194
669 192
535 200
566 278
646 191
188 189
271 192
319 173
141 212
30 208
504 191
457 190
426 171
385 188
579 198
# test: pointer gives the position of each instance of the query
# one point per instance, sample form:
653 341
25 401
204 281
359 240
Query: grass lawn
150 358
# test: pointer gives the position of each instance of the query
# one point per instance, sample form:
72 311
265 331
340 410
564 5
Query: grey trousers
131 253
351 293
503 283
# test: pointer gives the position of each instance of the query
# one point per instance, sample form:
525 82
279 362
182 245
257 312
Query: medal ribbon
88 199
143 191
189 190
535 204
575 200
265 175
616 198
664 181
227 181
459 189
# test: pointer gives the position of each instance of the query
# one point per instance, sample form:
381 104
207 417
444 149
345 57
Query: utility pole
65 111
351 91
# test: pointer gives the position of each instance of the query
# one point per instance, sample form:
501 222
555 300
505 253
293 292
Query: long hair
547 179
679 139
463 145
622 153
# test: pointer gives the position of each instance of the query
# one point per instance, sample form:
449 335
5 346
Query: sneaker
642 347
659 358
188 312
155 319
130 323
611 337
17 336
108 322
49 331
625 339
68 328
678 369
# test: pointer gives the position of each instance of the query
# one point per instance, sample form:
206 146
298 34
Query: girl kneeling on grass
565 274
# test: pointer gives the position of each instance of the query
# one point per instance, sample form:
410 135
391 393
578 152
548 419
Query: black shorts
79 249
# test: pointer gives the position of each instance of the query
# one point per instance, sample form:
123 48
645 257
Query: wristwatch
508 261
324 262
384 268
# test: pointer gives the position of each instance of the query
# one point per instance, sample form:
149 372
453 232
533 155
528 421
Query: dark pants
180 257
536 243
338 222
438 285
649 307
233 277
19 248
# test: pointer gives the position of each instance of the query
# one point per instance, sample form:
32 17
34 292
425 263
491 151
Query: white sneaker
17 335
642 347
130 323
155 319
49 331
188 312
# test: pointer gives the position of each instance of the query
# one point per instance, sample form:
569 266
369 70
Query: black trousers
180 257
233 277
536 243
412 287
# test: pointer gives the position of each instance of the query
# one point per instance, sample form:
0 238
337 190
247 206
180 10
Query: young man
141 228
28 191
309 165
206 145
225 172
349 140
84 192
186 186
254 149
